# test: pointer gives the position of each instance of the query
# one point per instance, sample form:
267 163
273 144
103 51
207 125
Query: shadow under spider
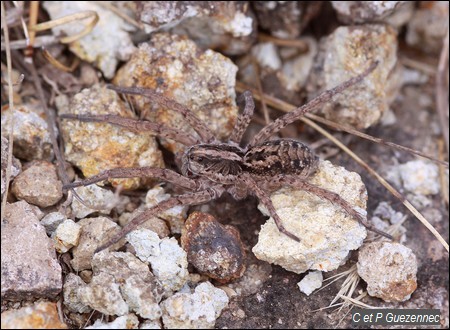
210 167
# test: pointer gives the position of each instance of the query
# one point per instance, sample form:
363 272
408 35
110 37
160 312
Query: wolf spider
211 167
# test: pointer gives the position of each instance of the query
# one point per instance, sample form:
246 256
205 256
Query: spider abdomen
284 156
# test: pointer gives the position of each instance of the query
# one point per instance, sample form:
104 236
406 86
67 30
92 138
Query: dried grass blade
69 19
11 107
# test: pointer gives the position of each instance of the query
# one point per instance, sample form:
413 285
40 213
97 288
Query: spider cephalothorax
220 162
210 167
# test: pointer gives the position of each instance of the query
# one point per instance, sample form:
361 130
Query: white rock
343 55
72 285
327 232
103 294
52 220
167 259
311 282
105 45
66 236
129 321
420 177
294 72
121 283
267 55
198 310
385 211
389 269
175 216
95 231
156 324
94 196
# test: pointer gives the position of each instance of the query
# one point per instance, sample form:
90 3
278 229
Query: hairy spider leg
244 118
194 198
206 135
137 125
135 172
323 97
267 202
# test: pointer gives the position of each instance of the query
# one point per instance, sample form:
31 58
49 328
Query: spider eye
200 159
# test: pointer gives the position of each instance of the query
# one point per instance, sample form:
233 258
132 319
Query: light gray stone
29 265
327 232
389 269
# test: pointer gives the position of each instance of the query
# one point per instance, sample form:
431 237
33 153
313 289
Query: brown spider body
281 157
223 163
210 167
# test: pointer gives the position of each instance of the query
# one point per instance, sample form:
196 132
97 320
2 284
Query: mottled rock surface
106 45
167 259
389 269
350 12
41 315
347 52
228 26
311 282
197 310
212 248
66 236
201 80
121 284
38 184
30 133
16 167
29 265
327 232
95 147
94 232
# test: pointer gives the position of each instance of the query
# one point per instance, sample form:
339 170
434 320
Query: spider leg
131 172
199 197
244 118
333 198
267 202
137 125
295 114
202 130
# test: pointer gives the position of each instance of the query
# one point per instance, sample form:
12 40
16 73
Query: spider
210 167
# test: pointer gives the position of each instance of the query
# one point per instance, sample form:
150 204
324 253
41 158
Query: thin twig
302 45
260 90
57 64
68 19
33 18
442 91
39 41
389 187
359 303
417 65
119 13
11 108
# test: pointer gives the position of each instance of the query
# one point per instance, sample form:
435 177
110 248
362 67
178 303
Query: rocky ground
222 264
